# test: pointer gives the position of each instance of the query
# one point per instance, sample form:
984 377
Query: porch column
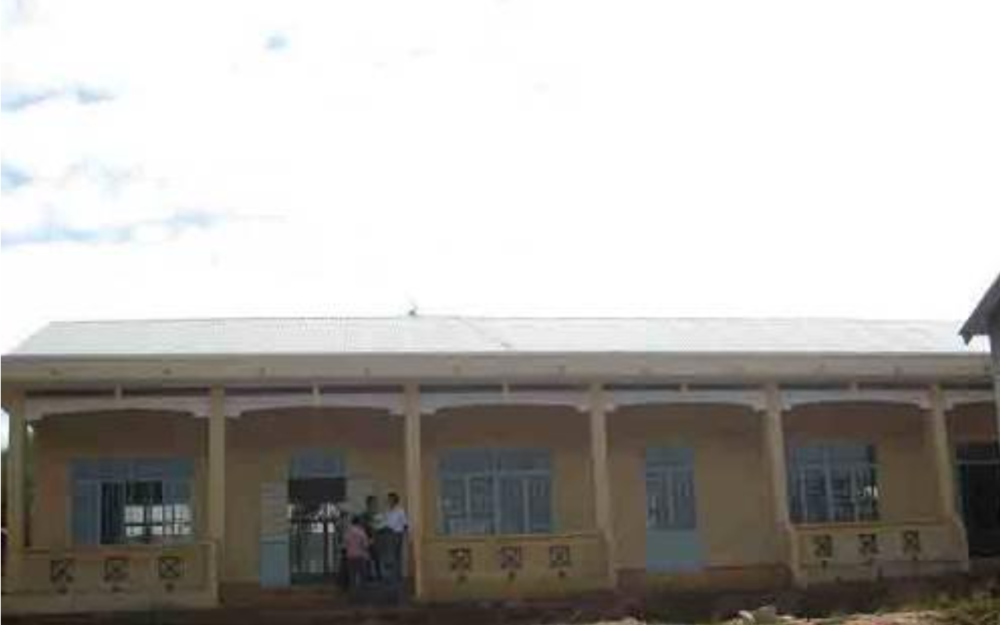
17 441
944 475
603 516
217 474
414 480
777 473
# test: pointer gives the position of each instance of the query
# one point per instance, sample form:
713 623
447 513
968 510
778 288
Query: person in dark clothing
370 521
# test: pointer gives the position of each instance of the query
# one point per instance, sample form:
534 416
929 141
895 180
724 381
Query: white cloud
503 156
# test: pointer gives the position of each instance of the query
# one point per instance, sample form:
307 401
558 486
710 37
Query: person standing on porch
371 520
356 546
394 532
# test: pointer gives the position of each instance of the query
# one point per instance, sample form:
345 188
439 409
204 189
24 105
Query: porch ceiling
41 404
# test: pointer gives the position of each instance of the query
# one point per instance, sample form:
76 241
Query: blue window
833 482
484 491
123 501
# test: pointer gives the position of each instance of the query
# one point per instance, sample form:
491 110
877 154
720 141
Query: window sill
848 525
501 538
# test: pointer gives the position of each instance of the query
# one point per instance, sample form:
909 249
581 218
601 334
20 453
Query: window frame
858 460
171 482
670 467
493 472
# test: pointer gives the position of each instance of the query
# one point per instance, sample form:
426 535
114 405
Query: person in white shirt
393 533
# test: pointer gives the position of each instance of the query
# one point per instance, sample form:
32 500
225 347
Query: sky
497 157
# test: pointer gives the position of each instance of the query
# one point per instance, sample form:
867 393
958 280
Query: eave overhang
373 368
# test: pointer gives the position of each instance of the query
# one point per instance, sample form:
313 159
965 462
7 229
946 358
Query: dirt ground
922 617
896 618
468 618
922 608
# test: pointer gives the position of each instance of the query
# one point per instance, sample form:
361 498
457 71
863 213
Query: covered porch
511 490
515 492
872 479
241 450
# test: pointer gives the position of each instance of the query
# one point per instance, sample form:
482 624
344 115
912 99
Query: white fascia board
237 405
37 408
955 398
916 397
564 368
755 399
432 402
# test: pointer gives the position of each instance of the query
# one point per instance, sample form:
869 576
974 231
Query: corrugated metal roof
481 335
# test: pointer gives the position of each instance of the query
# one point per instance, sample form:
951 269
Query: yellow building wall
733 509
127 434
260 450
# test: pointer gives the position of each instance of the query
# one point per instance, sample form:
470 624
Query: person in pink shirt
357 548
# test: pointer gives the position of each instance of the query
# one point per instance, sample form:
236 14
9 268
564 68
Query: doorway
978 466
672 541
316 528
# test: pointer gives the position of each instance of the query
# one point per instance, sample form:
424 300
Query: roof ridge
454 317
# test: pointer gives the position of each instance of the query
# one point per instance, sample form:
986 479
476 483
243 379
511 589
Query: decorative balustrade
832 552
152 572
534 564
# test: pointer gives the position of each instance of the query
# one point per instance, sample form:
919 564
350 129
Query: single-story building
175 461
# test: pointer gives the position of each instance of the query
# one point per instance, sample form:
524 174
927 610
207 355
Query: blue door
274 565
672 541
